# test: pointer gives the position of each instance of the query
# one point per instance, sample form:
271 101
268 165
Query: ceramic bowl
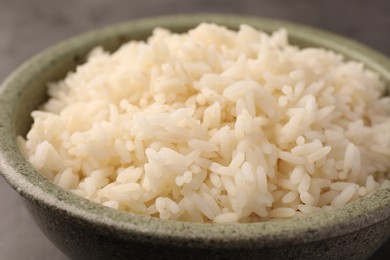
85 230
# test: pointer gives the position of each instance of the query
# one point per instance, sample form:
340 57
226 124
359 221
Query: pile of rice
215 125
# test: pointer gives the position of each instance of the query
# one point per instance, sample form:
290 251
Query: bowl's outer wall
84 242
82 236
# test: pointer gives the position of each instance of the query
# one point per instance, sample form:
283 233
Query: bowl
86 230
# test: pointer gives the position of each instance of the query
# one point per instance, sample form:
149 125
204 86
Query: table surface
27 27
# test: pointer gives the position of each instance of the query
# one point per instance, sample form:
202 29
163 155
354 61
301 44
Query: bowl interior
25 90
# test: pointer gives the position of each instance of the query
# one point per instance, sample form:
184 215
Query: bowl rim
362 213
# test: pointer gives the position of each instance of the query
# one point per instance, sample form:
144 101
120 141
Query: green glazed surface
24 90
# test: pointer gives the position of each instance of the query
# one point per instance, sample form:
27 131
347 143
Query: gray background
29 26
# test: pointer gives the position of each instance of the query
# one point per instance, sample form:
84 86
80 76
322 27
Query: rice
215 125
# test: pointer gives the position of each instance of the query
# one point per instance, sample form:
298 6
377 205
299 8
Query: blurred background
27 27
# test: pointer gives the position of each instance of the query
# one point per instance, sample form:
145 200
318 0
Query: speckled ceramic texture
86 230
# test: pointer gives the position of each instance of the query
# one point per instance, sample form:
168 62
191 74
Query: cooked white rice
215 125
